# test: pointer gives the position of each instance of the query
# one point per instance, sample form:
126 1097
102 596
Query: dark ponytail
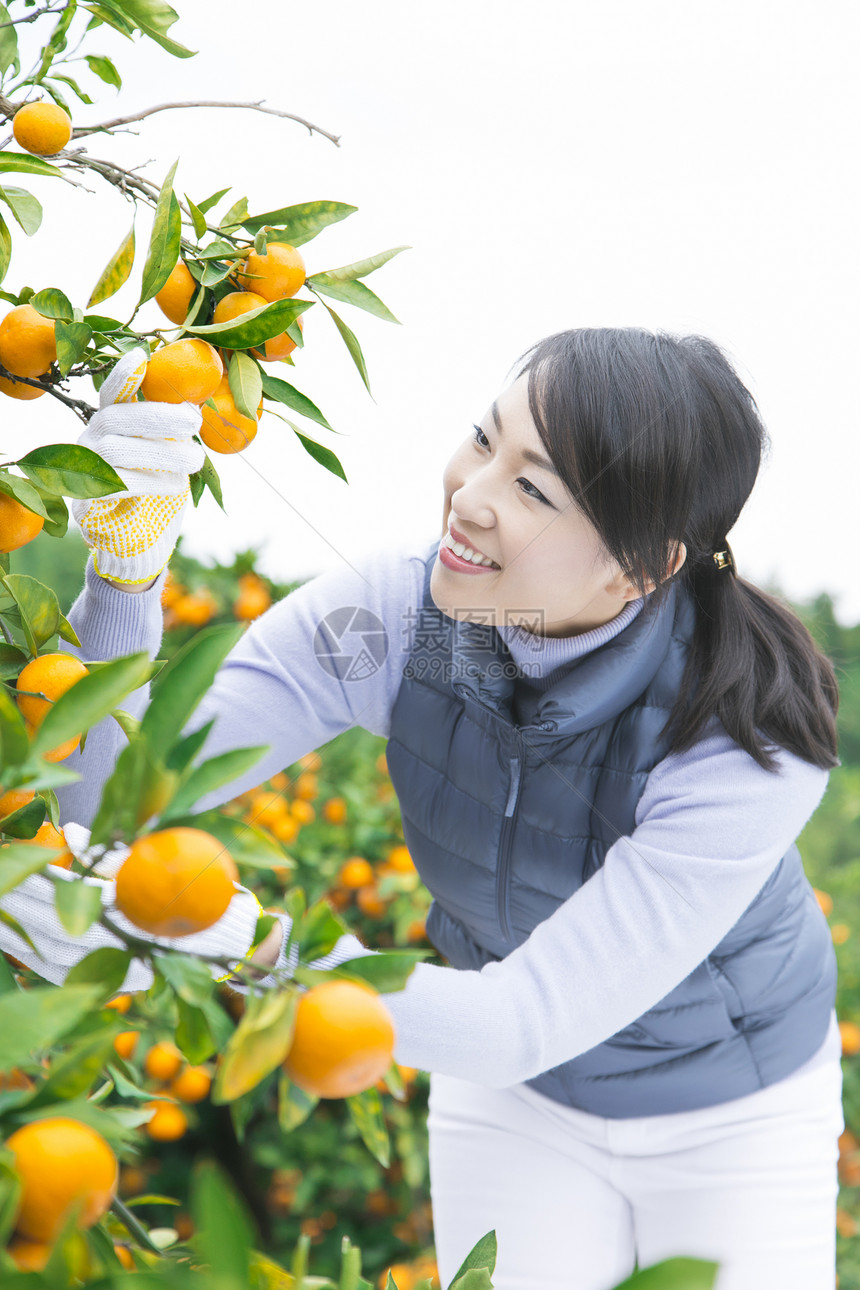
659 441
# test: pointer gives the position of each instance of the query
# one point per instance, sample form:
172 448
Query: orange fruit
61 751
125 1256
47 836
28 346
225 428
18 526
306 786
370 902
356 872
61 1161
125 1043
279 347
237 303
302 811
163 1061
399 860
278 273
191 1085
177 293
334 811
186 371
14 799
42 128
825 902
29 1256
253 598
171 591
168 1122
50 675
121 1003
267 809
417 930
195 608
17 390
311 761
839 933
343 1040
850 1032
176 881
286 829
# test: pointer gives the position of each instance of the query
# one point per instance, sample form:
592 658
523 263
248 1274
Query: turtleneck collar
540 658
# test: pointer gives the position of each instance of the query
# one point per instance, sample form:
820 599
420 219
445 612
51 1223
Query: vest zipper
505 841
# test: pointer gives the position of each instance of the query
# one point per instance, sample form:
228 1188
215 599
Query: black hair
659 442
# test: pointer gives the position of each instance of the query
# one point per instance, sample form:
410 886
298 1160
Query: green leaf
23 164
106 968
78 904
222 1230
673 1274
320 931
211 774
37 1018
282 392
116 273
26 208
198 219
22 491
209 478
111 20
14 740
56 525
351 342
387 971
8 44
246 384
104 69
355 293
189 978
481 1255
164 243
52 806
474 1279
5 248
186 749
360 268
247 844
53 303
235 215
258 1045
91 699
40 609
194 1039
12 659
323 455
71 470
72 341
298 224
366 1111
207 205
294 1104
217 249
183 682
10 1193
152 17
12 923
26 821
254 327
75 1071
73 86
66 630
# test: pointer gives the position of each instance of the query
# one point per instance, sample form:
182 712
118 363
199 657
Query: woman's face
550 572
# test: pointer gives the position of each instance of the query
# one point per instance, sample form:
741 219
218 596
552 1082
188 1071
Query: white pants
576 1199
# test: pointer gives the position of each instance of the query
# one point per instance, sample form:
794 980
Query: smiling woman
604 744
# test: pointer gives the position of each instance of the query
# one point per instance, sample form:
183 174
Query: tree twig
78 406
31 17
82 131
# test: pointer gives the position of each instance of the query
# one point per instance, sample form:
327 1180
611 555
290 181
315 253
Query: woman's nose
471 500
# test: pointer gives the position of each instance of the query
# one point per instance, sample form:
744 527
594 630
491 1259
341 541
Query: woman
604 743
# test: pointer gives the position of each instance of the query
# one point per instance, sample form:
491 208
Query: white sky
660 163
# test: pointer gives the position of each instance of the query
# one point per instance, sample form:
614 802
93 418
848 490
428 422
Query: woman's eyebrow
527 455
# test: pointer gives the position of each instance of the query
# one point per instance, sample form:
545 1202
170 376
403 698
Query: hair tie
724 559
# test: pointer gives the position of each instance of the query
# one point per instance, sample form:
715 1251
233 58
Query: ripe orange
302 811
850 1032
163 1061
125 1043
50 675
28 346
286 829
29 1256
177 293
370 902
279 347
42 128
195 607
18 526
839 933
168 1122
61 1161
237 303
311 761
343 1040
228 429
356 872
399 860
125 1256
47 836
253 598
825 901
278 273
175 882
186 371
306 786
191 1085
334 811
14 799
17 389
120 1003
62 751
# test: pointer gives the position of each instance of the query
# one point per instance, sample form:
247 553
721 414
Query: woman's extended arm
711 828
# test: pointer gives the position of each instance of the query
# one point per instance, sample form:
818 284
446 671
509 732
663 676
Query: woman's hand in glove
151 447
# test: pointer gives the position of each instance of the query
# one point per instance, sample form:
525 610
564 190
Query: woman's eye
481 438
534 491
483 442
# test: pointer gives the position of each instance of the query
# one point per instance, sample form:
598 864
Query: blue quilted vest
506 821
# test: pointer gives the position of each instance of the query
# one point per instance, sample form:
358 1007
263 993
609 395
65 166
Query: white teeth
458 548
466 553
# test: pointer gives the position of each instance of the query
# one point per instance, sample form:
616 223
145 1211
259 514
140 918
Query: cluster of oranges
191 370
269 807
185 608
358 880
840 932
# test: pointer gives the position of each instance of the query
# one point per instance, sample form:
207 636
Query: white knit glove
31 903
151 448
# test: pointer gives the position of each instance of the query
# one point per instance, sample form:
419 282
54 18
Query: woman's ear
628 588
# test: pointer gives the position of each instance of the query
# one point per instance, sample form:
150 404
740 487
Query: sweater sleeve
326 657
711 826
